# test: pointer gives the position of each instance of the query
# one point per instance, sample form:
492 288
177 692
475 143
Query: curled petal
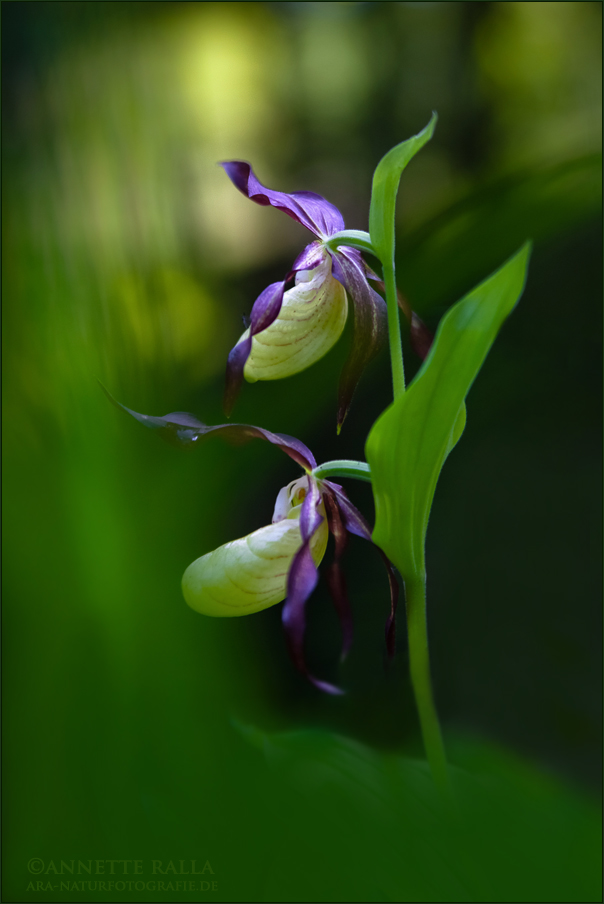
353 520
310 321
335 576
266 307
302 580
265 310
370 324
355 523
312 513
308 208
183 429
249 574
334 519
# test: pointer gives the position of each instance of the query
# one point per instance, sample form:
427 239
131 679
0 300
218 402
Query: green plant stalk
394 330
419 665
415 590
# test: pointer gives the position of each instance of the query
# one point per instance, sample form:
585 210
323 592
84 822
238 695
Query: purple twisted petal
265 310
335 576
353 520
310 518
370 323
302 580
355 523
308 208
183 429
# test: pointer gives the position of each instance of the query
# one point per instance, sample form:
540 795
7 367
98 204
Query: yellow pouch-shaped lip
250 574
310 322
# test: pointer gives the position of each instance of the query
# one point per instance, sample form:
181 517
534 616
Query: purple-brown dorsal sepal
301 581
183 429
370 323
311 210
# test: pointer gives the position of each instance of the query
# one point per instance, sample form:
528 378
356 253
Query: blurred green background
132 725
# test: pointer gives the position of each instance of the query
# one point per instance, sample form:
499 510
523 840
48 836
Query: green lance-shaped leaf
408 444
384 190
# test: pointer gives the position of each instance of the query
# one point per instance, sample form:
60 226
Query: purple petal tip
326 687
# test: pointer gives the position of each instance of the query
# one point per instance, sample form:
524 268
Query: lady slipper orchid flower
249 575
290 330
280 561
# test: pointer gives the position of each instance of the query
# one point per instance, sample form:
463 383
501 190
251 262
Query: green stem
394 330
419 664
344 468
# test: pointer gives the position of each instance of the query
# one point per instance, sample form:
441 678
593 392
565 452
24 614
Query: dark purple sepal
353 520
301 581
355 523
264 311
335 576
182 429
308 208
370 324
